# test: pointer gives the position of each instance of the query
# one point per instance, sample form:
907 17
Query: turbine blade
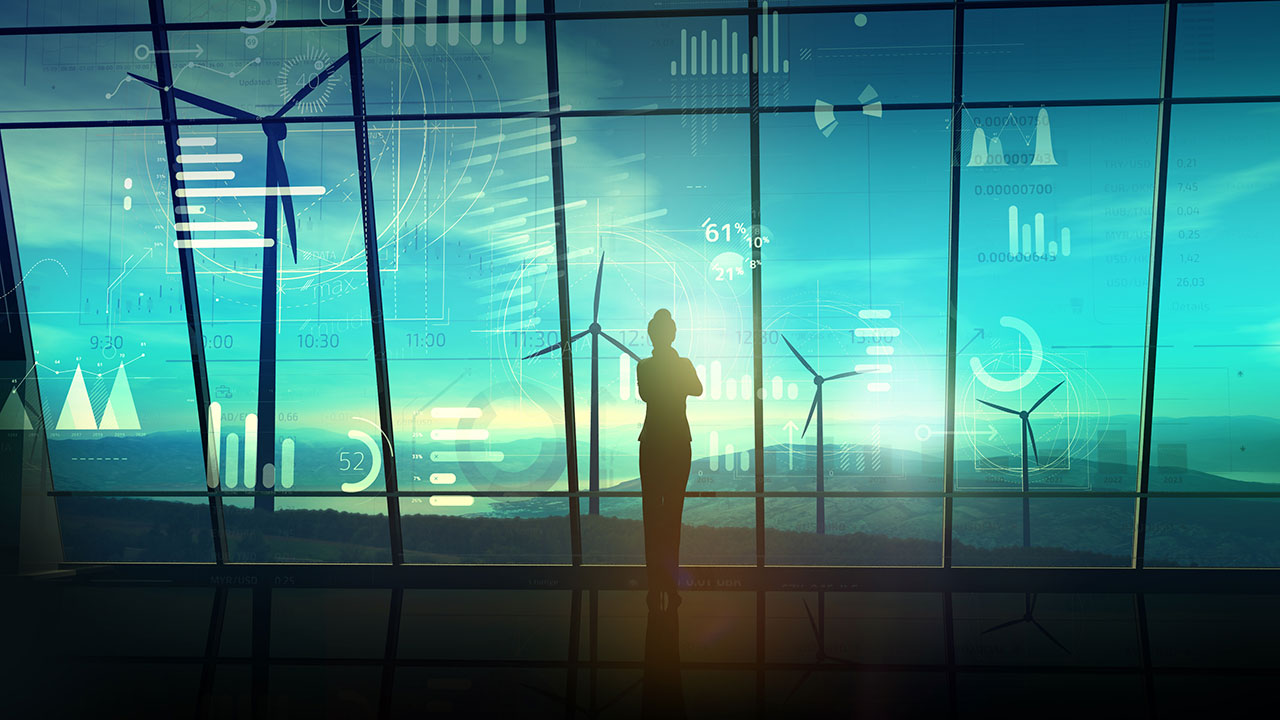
1031 602
851 373
1001 626
619 345
998 407
795 689
1049 635
543 351
799 357
816 635
1045 396
812 407
626 691
319 80
1032 434
281 179
198 100
595 307
549 348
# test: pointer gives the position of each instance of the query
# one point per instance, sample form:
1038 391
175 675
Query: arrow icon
791 428
142 52
979 334
924 432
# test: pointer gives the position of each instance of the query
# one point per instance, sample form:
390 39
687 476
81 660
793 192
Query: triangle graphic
13 416
77 413
121 414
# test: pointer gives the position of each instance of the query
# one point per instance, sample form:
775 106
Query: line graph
990 152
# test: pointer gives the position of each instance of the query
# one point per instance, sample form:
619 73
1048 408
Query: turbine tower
1029 600
277 193
596 333
1025 415
818 380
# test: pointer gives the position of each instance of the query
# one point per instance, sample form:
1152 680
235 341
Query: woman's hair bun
662 314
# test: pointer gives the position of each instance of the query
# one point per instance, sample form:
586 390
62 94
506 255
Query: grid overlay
359 119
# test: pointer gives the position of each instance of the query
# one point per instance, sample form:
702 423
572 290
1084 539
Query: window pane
855 280
326 434
383 12
1065 532
333 530
1214 417
76 77
474 70
1055 223
1215 392
108 322
97 529
858 531
714 531
467 248
648 203
645 63
254 15
1221 50
1190 532
36 13
259 77
862 58
1063 53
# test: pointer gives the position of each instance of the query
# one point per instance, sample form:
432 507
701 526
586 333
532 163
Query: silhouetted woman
664 381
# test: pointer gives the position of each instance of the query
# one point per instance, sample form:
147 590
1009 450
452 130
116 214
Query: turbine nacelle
594 329
1025 417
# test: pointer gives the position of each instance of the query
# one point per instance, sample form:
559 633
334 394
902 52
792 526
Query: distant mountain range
1180 531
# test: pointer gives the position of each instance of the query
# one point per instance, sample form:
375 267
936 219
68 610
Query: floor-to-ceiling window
355 284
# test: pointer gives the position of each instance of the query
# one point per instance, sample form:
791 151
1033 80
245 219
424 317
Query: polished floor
83 649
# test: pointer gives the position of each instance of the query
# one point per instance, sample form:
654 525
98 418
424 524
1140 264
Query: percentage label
715 232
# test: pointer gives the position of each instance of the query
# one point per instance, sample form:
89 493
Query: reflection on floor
80 650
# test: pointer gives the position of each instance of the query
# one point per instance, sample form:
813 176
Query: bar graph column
250 451
431 29
624 376
1013 230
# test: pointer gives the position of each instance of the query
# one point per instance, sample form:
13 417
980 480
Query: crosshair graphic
1066 427
301 69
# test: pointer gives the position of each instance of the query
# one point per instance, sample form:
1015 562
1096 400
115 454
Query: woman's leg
651 508
677 463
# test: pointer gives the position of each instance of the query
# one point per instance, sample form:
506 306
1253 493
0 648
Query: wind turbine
1029 599
819 628
596 333
1029 617
818 380
276 193
1025 415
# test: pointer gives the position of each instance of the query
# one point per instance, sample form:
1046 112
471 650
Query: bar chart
451 23
1028 239
729 458
702 53
216 466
